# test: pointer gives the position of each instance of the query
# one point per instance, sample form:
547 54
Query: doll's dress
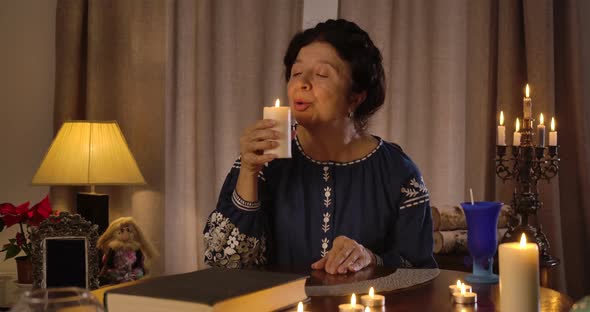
121 266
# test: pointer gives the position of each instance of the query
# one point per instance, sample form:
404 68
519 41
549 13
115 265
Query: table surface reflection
431 296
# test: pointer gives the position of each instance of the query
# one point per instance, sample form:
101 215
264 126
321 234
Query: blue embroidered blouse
380 201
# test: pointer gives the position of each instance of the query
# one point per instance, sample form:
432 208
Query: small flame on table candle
371 292
522 241
277 103
501 118
353 300
552 124
527 91
459 283
300 307
517 124
462 289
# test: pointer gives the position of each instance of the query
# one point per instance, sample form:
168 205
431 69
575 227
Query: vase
24 269
482 240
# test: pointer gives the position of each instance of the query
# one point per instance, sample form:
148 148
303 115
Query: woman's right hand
254 141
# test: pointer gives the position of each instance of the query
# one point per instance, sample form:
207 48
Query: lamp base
94 208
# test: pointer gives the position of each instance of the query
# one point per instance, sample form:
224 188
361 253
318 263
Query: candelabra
527 164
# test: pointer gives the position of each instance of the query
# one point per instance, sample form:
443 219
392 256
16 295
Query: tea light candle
464 297
282 115
519 276
352 307
457 288
300 307
516 137
372 299
501 141
552 134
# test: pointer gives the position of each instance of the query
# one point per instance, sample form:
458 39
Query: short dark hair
354 46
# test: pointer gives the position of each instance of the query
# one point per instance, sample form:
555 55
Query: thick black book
213 289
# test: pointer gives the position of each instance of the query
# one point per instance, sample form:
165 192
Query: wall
27 66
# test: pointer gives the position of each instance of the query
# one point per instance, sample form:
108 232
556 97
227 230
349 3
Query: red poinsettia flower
12 215
39 212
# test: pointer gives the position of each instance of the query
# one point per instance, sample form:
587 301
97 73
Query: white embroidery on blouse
227 247
327 194
326 174
415 193
325 242
335 163
326 225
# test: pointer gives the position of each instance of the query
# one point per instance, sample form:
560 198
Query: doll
126 252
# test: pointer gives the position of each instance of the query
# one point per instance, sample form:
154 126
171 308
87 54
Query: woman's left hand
345 256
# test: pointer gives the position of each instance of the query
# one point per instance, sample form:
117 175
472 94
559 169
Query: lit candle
372 299
457 288
541 131
501 131
351 307
516 137
527 104
282 115
464 297
519 276
552 134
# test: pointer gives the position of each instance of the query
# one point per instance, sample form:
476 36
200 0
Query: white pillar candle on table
457 287
516 137
501 131
372 299
541 131
527 104
464 297
552 134
519 276
282 115
350 307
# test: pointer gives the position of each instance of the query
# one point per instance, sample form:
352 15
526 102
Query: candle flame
462 289
541 119
367 309
501 118
277 103
527 91
517 125
371 292
522 241
459 283
353 300
300 307
552 124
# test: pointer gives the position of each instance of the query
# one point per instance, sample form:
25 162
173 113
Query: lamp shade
88 153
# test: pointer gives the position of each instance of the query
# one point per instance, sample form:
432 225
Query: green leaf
12 240
11 252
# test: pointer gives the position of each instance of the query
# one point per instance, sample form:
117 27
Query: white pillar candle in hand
527 103
519 276
516 137
501 131
541 131
552 134
282 115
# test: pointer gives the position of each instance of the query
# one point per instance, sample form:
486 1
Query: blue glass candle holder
482 239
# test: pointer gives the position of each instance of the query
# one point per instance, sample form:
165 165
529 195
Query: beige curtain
182 78
451 67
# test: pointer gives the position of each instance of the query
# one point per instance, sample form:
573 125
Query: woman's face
319 87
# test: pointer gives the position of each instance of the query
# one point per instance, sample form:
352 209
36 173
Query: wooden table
431 296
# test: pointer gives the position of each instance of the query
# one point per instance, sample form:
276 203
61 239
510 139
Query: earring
350 114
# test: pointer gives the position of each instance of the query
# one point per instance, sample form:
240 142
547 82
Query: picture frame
64 252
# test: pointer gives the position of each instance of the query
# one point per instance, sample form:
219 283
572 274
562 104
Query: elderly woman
346 199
